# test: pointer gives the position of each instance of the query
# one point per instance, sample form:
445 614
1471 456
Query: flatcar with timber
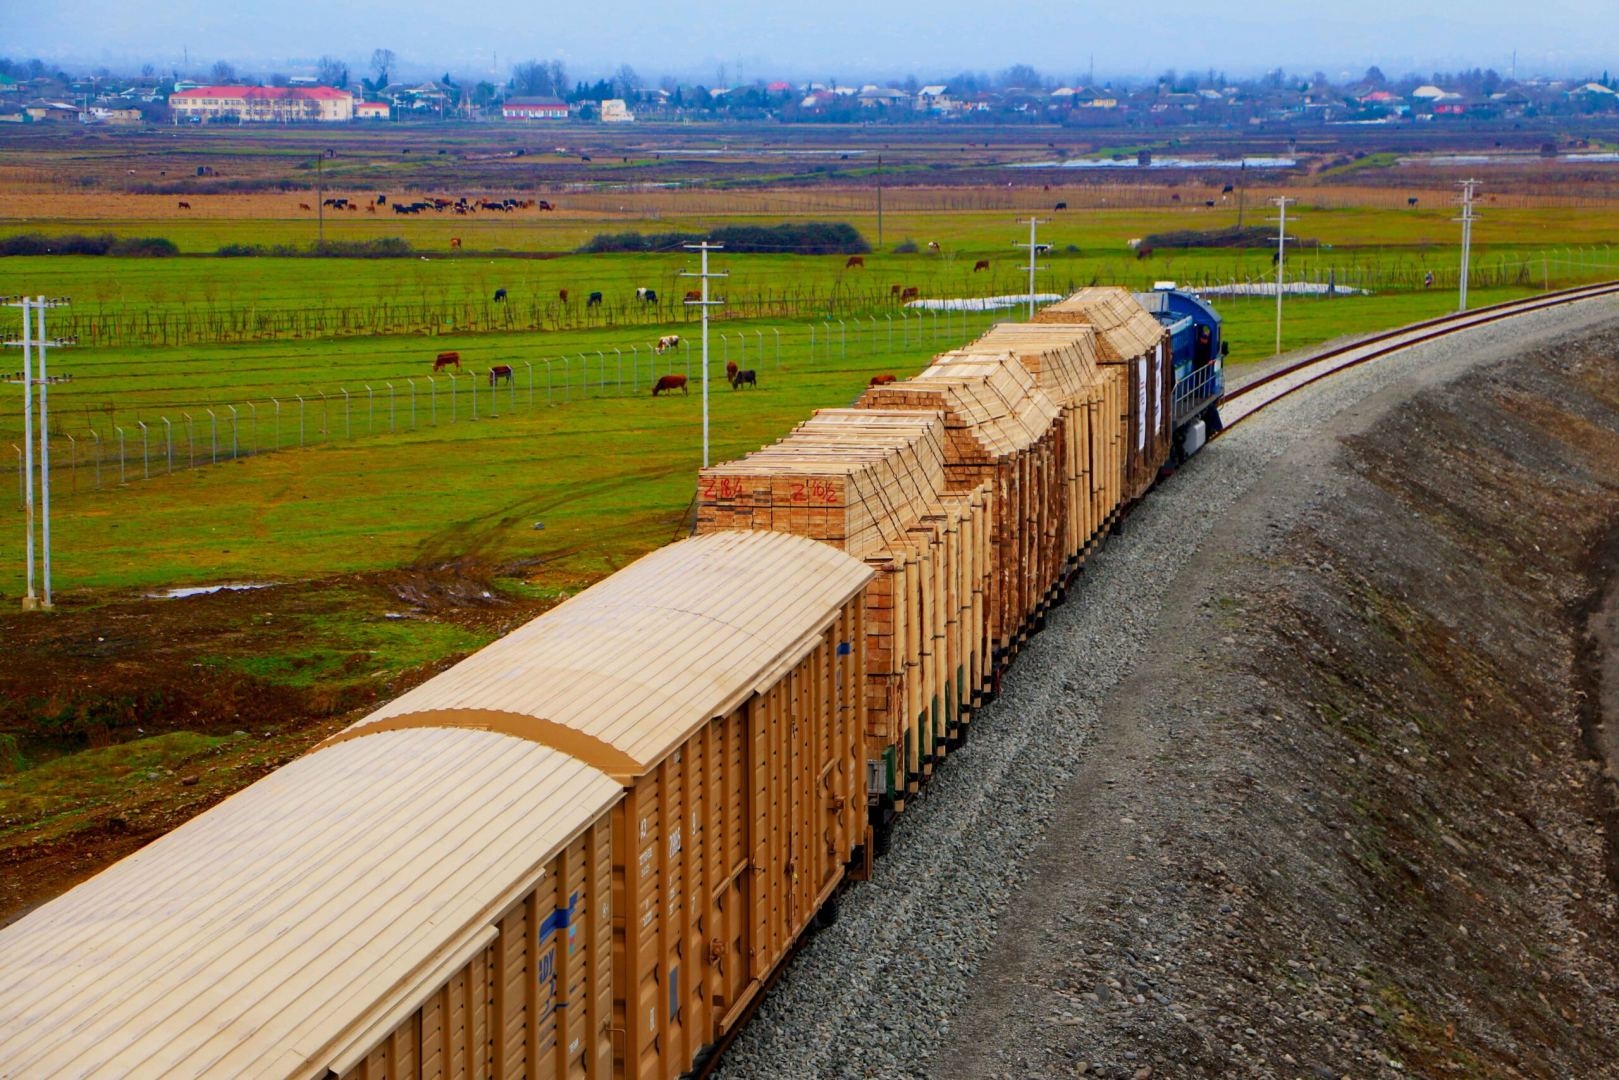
585 850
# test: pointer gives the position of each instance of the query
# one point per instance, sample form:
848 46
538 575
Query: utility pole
320 198
1281 261
1034 249
1242 188
879 202
705 303
34 343
1466 219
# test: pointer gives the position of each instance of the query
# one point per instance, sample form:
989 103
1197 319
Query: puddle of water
982 303
204 590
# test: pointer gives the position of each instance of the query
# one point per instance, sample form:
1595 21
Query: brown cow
305 206
981 264
853 261
185 206
445 359
455 243
880 380
911 292
562 294
893 290
730 370
500 372
670 383
694 295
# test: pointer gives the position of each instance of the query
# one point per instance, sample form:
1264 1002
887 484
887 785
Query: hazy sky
849 40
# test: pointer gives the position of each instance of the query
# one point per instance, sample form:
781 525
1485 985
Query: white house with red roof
263 104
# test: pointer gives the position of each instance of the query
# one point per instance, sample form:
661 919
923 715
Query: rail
1242 403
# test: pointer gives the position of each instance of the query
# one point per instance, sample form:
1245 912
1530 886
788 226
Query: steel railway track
1238 405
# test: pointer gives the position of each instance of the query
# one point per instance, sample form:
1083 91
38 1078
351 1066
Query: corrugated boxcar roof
1060 356
624 672
290 925
994 396
1124 329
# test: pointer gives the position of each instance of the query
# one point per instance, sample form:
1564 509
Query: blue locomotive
1198 351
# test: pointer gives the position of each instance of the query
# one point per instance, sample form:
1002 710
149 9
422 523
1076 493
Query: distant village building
372 110
534 108
614 111
263 104
104 114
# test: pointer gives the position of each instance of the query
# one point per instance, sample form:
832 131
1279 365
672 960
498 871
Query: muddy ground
1352 817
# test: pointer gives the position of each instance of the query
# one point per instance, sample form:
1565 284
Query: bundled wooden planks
1000 428
874 484
1128 336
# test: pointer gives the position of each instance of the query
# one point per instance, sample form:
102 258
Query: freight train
584 850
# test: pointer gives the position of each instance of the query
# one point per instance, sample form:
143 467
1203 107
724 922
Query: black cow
1061 206
745 377
500 294
593 300
1228 189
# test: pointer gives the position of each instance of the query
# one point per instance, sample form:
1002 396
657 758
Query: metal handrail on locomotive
1198 347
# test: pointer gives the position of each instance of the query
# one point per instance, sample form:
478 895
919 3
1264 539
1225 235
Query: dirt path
1339 821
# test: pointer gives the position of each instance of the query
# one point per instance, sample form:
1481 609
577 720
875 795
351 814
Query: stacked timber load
1002 428
873 484
1127 335
1063 360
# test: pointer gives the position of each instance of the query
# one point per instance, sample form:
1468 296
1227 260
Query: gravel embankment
881 993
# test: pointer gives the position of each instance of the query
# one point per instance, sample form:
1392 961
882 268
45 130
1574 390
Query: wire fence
113 451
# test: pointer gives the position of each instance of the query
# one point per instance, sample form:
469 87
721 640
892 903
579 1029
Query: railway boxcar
427 903
1126 335
717 680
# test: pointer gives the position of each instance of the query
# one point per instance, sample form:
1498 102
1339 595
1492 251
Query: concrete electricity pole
705 303
1281 261
1466 219
1034 248
34 344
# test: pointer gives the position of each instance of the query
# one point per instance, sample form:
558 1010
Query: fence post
453 381
348 432
213 437
412 383
22 474
370 409
547 364
191 444
96 436
603 384
73 461
777 332
168 441
120 432
619 355
474 384
146 461
234 451
635 365
530 368
843 341
567 379
300 398
390 387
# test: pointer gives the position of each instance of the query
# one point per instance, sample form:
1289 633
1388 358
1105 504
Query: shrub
144 247
75 244
906 247
809 238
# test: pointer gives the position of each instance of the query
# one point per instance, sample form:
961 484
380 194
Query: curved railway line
1273 386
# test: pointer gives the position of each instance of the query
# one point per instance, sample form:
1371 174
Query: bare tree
625 81
330 71
382 63
222 73
538 78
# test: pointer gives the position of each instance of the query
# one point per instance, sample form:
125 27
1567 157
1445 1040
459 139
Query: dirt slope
1349 819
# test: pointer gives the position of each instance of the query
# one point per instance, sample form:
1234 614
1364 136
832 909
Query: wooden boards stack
1128 336
874 484
1001 428
1063 360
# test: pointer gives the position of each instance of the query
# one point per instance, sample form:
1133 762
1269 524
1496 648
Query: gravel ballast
1076 892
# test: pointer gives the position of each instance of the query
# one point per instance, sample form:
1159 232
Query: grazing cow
933 245
649 296
1144 252
1174 198
853 261
305 206
981 264
562 294
667 342
382 200
455 243
1134 243
745 377
893 290
670 383
1060 206
1412 201
730 370
880 380
910 292
593 300
500 295
1228 189
1208 202
447 359
500 372
185 206
370 209
694 296
546 205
